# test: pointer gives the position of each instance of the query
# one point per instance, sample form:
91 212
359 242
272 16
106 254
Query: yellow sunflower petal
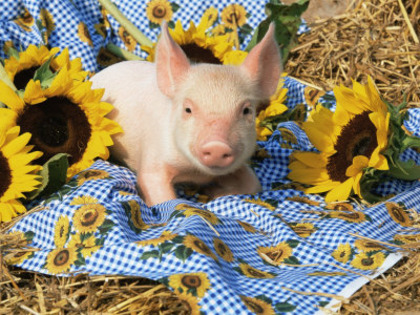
340 192
34 93
311 159
16 145
359 163
10 98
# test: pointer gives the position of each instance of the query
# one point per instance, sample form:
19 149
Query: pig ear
171 63
263 64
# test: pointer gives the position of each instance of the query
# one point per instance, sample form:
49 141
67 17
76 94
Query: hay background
377 38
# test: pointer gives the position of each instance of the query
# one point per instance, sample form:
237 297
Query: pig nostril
225 156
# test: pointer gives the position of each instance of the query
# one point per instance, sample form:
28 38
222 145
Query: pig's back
139 107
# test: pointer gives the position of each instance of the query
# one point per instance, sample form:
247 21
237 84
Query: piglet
186 123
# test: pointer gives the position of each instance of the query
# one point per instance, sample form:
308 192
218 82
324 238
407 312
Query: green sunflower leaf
285 307
293 243
287 20
44 74
106 226
166 247
292 260
29 235
175 6
182 252
151 254
53 176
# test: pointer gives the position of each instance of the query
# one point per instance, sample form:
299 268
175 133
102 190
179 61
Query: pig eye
247 111
188 110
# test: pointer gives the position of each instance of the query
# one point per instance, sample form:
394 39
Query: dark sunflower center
255 273
201 246
159 12
257 309
367 261
62 257
199 54
191 281
358 137
222 249
89 217
5 174
57 126
22 77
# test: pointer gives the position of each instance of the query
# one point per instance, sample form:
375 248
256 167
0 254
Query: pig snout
216 154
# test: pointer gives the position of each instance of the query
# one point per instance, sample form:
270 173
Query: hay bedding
379 38
323 59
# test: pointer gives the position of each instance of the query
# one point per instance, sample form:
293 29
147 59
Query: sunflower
47 21
368 246
91 174
344 139
190 302
86 244
128 40
26 21
407 239
200 47
247 227
67 117
275 255
60 260
197 245
353 217
83 33
251 272
17 174
368 262
312 95
61 231
196 283
261 203
340 206
343 253
234 15
136 217
189 211
305 200
165 236
398 214
274 108
17 258
84 200
89 217
159 10
22 69
303 229
257 306
223 250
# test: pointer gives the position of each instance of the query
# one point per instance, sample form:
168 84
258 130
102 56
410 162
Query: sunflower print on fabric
196 284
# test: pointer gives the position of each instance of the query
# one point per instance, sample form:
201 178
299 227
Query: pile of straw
379 38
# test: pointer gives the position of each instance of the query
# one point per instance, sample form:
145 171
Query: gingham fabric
278 251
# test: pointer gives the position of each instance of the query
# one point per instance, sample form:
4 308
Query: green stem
405 171
409 142
129 27
122 53
5 78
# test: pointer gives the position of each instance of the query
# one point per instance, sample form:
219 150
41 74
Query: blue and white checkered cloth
273 251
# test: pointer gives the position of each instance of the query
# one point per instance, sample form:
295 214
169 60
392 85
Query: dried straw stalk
379 38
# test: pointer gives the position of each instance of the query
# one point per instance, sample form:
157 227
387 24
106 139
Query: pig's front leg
242 181
155 187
